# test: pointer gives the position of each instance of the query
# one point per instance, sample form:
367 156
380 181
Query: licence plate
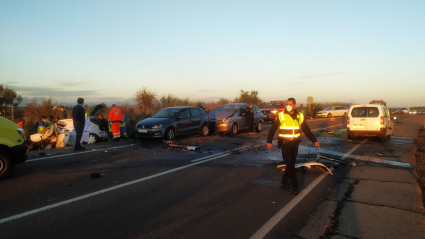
358 126
143 130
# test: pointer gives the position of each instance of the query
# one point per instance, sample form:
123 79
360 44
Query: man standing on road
250 118
290 124
116 118
314 112
78 118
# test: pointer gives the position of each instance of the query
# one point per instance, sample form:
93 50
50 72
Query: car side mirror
179 118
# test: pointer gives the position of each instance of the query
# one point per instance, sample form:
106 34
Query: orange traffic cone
332 119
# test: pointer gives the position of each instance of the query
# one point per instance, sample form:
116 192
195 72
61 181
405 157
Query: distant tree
167 101
8 97
223 101
248 97
145 98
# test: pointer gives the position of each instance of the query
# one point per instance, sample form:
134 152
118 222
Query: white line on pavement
266 228
83 152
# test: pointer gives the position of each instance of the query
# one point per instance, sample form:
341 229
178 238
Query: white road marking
266 228
83 152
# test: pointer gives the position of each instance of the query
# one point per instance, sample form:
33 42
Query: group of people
42 123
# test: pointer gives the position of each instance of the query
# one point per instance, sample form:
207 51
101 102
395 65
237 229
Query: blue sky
351 51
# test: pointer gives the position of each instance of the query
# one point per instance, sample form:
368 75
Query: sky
104 51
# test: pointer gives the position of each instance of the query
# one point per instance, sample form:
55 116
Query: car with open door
231 118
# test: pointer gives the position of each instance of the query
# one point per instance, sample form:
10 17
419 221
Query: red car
271 109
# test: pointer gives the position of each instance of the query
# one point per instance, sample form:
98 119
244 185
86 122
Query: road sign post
310 101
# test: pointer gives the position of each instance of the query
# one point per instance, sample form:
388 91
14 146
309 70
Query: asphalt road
227 189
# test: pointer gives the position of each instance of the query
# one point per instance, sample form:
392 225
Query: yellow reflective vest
289 128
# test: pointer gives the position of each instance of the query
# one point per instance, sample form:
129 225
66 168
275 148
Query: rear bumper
19 153
364 132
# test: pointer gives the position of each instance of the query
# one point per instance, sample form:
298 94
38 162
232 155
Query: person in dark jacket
250 118
78 118
290 123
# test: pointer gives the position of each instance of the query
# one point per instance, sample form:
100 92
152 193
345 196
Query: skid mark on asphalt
266 228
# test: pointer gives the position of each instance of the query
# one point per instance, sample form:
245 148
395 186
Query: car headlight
157 126
21 133
274 111
227 119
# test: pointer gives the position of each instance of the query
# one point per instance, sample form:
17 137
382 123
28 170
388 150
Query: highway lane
225 197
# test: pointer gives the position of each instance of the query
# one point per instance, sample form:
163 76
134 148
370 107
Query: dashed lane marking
266 228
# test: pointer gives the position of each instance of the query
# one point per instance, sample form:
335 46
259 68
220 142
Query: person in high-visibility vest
115 116
123 126
290 124
40 125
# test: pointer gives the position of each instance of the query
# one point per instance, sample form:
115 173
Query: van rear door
358 118
373 119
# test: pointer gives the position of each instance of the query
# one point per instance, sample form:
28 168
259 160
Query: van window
365 112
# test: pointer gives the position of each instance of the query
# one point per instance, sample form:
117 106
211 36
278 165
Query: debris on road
185 147
307 165
96 175
335 160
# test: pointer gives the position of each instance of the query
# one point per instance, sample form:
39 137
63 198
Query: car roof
238 104
182 107
367 105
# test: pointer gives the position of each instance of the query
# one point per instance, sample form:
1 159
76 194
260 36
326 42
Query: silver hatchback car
231 118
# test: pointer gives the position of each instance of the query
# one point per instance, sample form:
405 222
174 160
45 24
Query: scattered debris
96 175
184 147
307 165
335 160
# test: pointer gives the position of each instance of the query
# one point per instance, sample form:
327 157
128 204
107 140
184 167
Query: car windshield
329 108
268 106
166 113
228 108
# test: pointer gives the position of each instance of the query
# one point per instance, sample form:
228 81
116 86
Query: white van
369 120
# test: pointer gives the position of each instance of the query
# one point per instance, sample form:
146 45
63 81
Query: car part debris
96 175
336 160
307 165
191 148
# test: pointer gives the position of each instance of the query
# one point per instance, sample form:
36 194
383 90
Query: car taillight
348 120
382 120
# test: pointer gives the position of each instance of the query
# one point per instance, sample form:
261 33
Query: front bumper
322 114
19 153
150 133
221 127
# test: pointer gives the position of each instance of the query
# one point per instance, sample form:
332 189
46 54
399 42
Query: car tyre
235 129
205 130
329 115
384 135
170 134
94 137
259 126
5 164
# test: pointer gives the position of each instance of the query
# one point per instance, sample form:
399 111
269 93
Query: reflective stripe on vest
289 128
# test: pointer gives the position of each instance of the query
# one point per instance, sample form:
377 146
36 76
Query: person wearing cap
78 118
290 123
200 106
250 116
116 118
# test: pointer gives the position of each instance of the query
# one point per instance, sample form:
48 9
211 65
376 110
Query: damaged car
231 118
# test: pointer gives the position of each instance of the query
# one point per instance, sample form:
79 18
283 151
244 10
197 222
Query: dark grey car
231 118
174 121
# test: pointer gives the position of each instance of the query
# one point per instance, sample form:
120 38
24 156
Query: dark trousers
289 154
79 128
251 123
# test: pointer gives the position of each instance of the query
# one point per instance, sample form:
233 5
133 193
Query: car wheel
205 130
345 115
234 128
93 138
5 164
259 126
384 136
329 115
170 134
